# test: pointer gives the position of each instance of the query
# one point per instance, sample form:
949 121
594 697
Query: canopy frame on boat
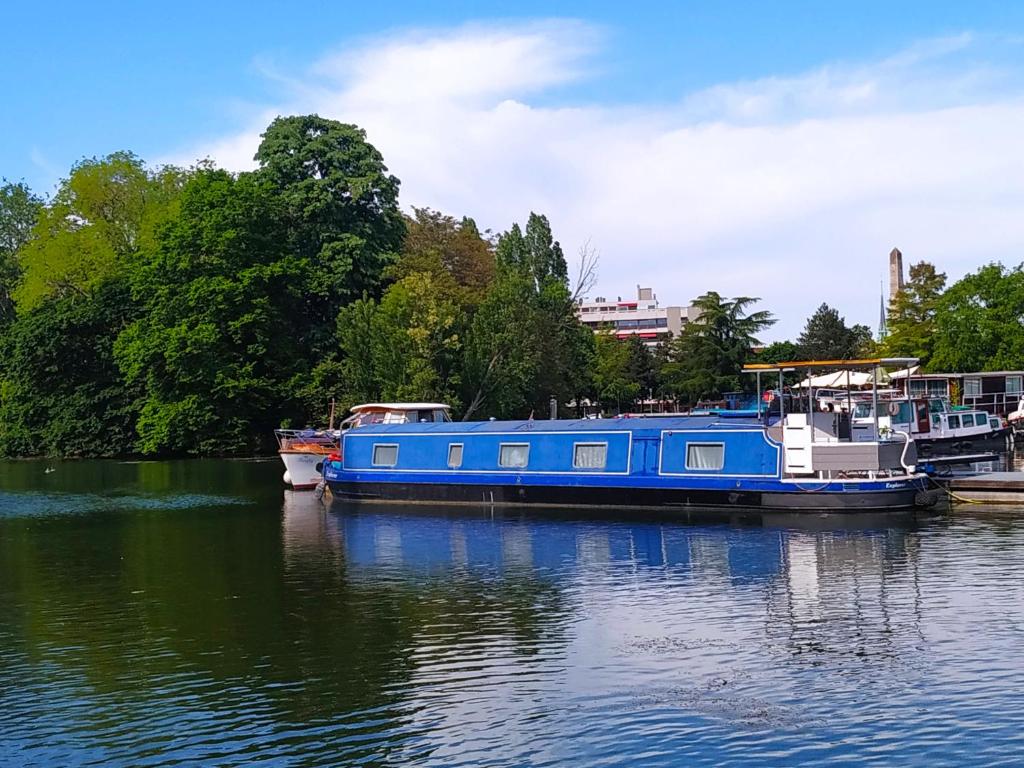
874 363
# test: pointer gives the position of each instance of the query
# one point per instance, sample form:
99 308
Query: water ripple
297 636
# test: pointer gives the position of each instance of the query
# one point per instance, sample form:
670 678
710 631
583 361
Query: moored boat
786 461
303 450
937 429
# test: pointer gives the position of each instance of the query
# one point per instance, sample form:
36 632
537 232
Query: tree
405 347
453 251
912 314
95 222
525 343
613 379
640 365
340 209
978 322
19 210
219 340
502 358
706 358
62 393
779 352
827 337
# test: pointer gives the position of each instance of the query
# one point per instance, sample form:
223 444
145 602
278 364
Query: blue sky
731 146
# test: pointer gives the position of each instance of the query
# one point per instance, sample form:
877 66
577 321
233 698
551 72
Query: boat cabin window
953 421
705 455
1013 385
514 455
455 455
385 454
589 455
862 411
972 387
994 423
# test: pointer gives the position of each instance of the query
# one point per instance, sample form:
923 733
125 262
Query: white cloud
792 189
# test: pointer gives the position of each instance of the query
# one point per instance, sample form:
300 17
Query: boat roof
398 407
710 421
839 365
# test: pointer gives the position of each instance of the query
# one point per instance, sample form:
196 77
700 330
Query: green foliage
641 365
827 337
978 322
778 352
218 338
614 382
525 344
405 348
97 220
19 211
340 211
912 315
706 358
62 393
454 252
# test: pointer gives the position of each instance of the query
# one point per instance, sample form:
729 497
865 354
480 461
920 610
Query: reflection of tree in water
135 603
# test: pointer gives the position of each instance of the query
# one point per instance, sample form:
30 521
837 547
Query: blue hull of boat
644 463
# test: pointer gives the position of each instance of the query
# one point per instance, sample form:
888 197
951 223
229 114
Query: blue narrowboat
783 462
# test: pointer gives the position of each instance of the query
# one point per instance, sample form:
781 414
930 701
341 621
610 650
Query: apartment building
642 316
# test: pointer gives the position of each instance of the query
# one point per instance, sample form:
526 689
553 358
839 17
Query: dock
987 487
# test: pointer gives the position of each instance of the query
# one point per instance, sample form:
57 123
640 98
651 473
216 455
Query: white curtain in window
455 455
514 456
590 456
1013 385
705 456
385 455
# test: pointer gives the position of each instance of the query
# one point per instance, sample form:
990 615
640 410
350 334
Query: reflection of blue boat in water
787 462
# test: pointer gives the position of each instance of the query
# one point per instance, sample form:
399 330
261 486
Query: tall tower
895 273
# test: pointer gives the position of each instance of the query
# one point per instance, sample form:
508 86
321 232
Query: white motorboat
304 450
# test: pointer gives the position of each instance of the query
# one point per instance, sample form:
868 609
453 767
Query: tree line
190 311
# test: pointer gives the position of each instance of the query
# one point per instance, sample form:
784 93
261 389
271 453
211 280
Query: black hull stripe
637 498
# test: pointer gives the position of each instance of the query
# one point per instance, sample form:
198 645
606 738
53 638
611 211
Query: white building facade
642 316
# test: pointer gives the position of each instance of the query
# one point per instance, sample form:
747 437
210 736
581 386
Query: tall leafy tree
706 358
62 393
406 347
452 250
614 382
19 210
340 210
641 364
827 337
95 223
218 342
912 314
525 344
978 322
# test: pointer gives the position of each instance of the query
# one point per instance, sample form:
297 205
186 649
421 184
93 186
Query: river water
195 613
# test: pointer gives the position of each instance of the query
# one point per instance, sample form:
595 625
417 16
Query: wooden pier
986 487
